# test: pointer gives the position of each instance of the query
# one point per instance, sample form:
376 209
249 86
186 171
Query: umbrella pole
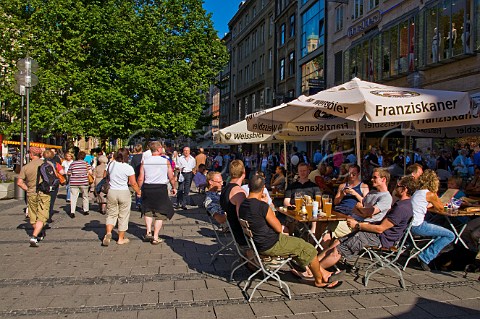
357 139
404 155
285 161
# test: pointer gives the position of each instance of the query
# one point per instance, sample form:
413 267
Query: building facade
430 44
252 68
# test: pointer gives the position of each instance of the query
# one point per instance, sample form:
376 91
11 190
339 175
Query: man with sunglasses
372 208
384 233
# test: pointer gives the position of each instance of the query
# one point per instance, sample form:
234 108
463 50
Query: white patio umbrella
238 134
358 100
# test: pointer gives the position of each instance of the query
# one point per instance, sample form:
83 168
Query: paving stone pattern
72 276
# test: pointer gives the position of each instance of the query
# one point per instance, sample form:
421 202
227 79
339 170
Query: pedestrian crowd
379 200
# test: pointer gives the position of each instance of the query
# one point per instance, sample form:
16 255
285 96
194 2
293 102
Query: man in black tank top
231 197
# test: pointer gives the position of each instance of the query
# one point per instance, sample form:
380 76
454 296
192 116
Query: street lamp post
26 80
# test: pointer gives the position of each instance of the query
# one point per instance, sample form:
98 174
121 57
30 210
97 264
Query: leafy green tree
113 68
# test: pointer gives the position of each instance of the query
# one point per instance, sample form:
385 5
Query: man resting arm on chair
269 239
383 234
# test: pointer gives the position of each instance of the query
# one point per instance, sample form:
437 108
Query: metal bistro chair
418 244
223 236
383 258
269 270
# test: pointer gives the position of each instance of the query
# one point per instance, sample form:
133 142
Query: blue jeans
183 197
442 237
67 186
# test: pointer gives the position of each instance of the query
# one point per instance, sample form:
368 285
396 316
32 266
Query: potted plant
7 187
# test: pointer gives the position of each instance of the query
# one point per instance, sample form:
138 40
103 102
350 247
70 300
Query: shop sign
365 24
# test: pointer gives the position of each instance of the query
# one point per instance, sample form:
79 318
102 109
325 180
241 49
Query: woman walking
78 172
99 174
155 173
119 199
66 165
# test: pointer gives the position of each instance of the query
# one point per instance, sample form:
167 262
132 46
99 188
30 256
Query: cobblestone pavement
72 276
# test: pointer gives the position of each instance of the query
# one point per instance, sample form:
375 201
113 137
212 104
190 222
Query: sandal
301 275
157 241
335 277
106 239
125 241
148 238
332 285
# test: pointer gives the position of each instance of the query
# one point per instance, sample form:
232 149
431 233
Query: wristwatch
357 227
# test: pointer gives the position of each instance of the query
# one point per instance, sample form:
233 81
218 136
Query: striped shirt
78 172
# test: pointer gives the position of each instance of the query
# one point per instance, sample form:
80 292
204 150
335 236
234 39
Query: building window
338 18
372 4
262 63
282 69
253 102
313 28
240 78
291 63
338 67
262 98
268 96
271 26
247 74
254 11
292 26
282 34
312 70
254 69
270 59
357 9
262 33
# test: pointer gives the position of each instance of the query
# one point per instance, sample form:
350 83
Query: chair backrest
401 243
247 232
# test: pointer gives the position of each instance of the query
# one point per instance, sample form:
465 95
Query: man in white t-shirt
187 166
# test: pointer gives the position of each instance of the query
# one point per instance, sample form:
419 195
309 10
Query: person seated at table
385 233
269 239
372 208
416 170
351 192
212 197
473 188
343 173
320 178
278 180
246 189
426 196
200 179
302 184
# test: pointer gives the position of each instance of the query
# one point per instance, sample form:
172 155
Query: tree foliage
111 68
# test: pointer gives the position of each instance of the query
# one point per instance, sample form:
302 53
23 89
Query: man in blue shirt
317 157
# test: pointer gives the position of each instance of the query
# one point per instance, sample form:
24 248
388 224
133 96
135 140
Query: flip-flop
156 241
332 285
301 275
106 239
335 277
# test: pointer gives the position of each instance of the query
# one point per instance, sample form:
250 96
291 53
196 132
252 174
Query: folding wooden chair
269 270
385 258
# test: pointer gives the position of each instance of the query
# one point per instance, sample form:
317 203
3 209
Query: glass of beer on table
327 207
298 201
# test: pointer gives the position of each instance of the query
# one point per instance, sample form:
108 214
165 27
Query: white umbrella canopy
380 103
238 134
372 106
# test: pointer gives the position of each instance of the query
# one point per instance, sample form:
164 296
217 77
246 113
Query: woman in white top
426 196
155 173
66 164
119 199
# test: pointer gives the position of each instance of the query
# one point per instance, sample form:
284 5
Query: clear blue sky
223 11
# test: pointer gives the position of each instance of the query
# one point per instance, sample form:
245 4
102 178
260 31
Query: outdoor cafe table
305 222
456 213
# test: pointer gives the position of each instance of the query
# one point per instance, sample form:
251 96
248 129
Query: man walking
201 158
38 202
186 164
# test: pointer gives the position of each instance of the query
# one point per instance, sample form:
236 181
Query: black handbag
104 185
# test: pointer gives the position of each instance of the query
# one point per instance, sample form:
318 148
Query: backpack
47 180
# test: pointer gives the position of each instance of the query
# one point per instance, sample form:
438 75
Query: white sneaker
33 242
